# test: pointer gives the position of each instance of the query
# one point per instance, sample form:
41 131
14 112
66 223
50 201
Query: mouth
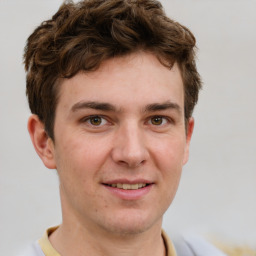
126 186
129 190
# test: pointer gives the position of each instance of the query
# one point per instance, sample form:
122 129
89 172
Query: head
81 36
112 84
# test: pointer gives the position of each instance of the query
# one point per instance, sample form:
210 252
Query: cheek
80 159
169 160
169 154
77 175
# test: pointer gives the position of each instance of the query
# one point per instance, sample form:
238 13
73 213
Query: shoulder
32 250
193 245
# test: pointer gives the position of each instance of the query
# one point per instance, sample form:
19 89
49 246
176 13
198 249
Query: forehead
138 79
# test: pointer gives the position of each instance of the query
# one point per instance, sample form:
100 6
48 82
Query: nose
129 147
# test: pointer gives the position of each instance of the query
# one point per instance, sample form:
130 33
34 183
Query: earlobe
190 128
43 144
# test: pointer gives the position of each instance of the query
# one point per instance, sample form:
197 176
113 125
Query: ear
190 128
43 144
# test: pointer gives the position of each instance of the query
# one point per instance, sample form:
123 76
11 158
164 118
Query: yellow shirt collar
48 249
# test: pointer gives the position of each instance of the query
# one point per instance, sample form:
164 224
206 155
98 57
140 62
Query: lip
127 181
129 195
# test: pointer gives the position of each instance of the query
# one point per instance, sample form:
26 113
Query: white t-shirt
191 245
33 250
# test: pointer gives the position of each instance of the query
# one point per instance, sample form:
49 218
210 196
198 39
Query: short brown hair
80 36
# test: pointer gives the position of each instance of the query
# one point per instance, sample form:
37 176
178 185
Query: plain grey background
217 194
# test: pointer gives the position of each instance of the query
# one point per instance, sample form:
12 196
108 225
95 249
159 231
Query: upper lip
128 181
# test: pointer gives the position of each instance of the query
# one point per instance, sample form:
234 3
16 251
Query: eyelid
105 121
168 120
87 119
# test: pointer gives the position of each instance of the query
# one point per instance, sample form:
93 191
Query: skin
123 122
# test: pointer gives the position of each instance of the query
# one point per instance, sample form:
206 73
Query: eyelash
89 119
164 120
103 121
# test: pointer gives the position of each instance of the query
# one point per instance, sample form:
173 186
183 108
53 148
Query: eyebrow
109 107
93 105
162 106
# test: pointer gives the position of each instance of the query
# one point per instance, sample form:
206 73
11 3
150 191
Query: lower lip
130 194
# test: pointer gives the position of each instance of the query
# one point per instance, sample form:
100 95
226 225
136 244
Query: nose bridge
130 147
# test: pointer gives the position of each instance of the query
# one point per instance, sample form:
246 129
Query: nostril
131 164
129 154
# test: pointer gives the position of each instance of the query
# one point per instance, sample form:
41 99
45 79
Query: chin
126 230
131 224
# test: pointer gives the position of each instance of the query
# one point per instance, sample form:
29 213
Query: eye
95 120
158 120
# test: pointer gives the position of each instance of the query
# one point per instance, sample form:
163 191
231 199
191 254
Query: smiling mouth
128 186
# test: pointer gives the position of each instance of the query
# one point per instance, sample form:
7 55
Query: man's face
120 144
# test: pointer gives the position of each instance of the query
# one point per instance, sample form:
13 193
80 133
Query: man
112 85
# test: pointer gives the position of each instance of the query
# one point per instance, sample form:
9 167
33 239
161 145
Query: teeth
128 186
140 185
119 185
135 186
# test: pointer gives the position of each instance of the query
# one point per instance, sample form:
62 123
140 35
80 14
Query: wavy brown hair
80 36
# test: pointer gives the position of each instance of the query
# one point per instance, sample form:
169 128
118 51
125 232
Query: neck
76 240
